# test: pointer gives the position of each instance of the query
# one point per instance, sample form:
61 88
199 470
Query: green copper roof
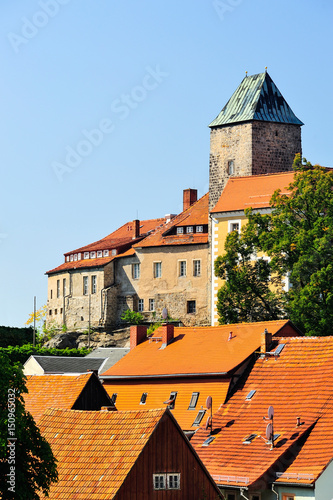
256 98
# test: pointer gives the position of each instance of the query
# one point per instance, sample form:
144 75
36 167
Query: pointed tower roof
256 98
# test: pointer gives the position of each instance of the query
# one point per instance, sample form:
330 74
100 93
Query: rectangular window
189 229
173 481
93 284
75 257
231 167
50 312
159 481
172 399
194 400
64 287
71 258
140 305
51 294
93 255
56 311
78 256
151 304
85 285
180 230
199 417
58 289
197 268
67 258
182 268
157 269
191 307
86 255
99 254
114 251
234 225
105 253
136 271
143 398
199 229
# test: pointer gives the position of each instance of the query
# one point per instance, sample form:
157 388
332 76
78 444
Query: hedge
21 353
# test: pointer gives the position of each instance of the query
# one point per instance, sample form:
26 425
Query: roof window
105 253
86 255
75 257
114 398
171 401
143 398
208 441
93 255
194 400
199 417
114 251
279 349
249 439
99 253
78 256
250 395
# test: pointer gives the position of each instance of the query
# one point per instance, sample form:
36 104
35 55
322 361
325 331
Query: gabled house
139 455
43 365
274 438
173 263
111 355
181 367
239 194
77 392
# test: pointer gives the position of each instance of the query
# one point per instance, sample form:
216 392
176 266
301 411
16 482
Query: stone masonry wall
274 146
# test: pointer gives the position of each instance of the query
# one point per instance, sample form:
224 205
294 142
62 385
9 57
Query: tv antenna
209 406
270 427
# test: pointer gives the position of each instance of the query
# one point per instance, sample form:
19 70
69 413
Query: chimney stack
136 229
190 196
266 340
138 334
167 334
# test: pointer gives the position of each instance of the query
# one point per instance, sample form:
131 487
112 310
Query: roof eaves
166 375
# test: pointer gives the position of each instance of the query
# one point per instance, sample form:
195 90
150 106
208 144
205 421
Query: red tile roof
297 383
195 215
252 192
60 391
121 240
194 350
95 450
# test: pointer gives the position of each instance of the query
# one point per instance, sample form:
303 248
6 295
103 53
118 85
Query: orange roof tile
195 215
82 264
194 350
298 383
129 395
95 450
252 192
59 391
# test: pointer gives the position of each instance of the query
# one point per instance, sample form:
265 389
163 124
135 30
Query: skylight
208 441
199 417
143 398
249 439
250 395
279 349
194 400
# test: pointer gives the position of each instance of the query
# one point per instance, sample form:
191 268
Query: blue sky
132 86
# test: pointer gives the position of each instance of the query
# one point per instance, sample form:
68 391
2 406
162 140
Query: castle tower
255 133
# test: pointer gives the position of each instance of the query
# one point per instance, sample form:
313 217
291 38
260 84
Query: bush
22 353
132 317
15 336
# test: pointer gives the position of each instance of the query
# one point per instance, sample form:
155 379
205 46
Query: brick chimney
190 196
266 340
167 334
138 334
136 229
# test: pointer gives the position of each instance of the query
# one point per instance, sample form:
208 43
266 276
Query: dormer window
71 258
105 253
199 229
67 258
75 256
180 230
99 254
114 251
78 256
189 229
93 255
86 255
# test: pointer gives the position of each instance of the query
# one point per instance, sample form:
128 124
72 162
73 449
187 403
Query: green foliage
15 336
298 238
246 294
30 454
132 317
153 327
22 353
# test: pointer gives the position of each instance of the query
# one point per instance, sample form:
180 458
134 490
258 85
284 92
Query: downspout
242 494
276 493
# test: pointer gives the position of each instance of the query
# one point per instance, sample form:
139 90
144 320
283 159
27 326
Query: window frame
195 397
58 289
182 265
151 305
189 229
94 284
85 283
160 485
199 229
188 307
180 230
231 167
86 255
157 269
136 270
99 254
141 305
173 475
198 419
93 254
231 223
143 398
105 253
196 273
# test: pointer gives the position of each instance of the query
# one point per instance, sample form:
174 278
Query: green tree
27 464
298 236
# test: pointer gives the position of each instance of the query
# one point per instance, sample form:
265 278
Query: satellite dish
209 402
269 430
208 423
270 412
164 313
